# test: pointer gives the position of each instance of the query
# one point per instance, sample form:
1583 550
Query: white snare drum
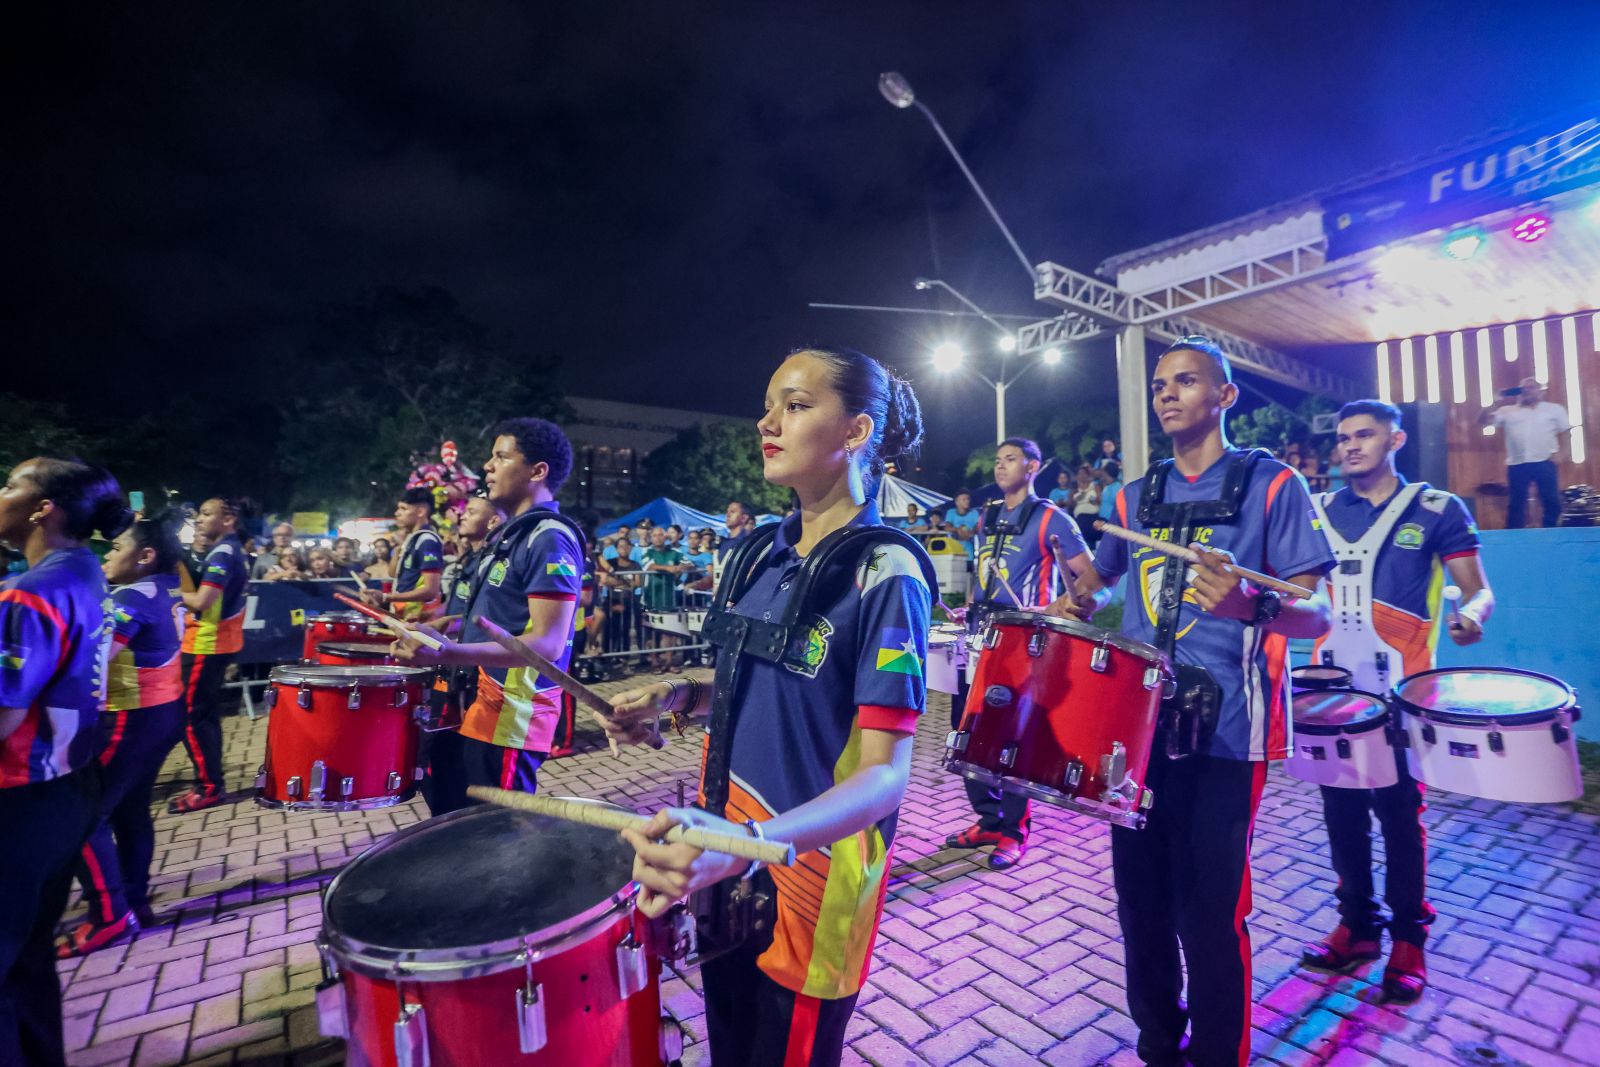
1492 732
1341 740
947 657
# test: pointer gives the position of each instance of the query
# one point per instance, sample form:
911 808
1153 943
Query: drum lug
1114 770
1074 774
411 1037
1558 730
292 788
633 967
353 701
1152 676
1342 747
347 786
1008 755
991 635
330 1008
531 1033
319 780
1036 644
1429 734
400 697
394 781
272 697
955 742
1100 659
303 697
1497 742
997 696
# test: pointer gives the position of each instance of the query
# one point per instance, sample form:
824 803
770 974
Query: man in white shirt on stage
1531 426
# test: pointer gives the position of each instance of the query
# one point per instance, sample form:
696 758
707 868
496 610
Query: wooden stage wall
1477 464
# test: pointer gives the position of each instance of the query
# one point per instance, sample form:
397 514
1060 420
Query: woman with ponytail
816 750
144 706
54 636
212 636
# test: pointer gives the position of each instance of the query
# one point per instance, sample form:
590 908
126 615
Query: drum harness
1001 533
738 910
1189 715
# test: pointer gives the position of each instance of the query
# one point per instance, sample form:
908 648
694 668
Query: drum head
485 878
1318 676
1477 696
320 675
1338 711
943 633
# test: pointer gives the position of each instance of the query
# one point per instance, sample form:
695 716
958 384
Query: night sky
655 191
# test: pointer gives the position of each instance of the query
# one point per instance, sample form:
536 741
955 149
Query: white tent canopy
895 493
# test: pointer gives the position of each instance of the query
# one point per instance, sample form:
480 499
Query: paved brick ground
973 966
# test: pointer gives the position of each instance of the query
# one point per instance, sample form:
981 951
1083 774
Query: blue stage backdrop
275 614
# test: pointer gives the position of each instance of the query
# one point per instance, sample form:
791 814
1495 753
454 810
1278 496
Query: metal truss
1295 263
1037 336
1088 295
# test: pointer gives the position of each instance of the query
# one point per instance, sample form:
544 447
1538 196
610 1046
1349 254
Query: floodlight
947 356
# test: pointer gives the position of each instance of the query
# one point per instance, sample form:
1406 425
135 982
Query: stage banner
1561 154
275 615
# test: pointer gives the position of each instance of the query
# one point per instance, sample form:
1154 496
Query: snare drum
1492 732
341 738
1063 712
340 626
490 936
1317 676
947 657
352 654
1342 739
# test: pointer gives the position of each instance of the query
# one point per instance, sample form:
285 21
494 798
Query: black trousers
1519 477
995 808
202 735
42 827
750 1019
1399 808
1183 894
457 762
114 865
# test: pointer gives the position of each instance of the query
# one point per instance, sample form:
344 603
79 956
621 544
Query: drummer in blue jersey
811 746
144 719
1183 882
1399 539
419 563
55 635
1019 540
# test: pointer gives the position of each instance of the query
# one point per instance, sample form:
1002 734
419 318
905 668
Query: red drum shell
340 626
1030 718
370 743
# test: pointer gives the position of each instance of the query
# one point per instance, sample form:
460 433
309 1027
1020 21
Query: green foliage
37 428
388 381
708 465
1071 433
1271 426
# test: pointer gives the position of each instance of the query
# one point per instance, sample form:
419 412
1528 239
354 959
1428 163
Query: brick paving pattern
972 966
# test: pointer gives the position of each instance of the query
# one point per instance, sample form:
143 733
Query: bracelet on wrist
753 828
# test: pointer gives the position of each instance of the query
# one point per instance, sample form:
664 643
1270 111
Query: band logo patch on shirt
1408 535
497 573
561 568
815 652
898 654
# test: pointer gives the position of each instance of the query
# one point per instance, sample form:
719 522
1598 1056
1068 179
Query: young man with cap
1395 540
419 564
527 583
1017 570
1183 882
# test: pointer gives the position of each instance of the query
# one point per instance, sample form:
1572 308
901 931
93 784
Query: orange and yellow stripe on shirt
130 686
209 634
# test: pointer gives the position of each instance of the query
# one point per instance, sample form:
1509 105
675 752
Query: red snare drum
491 936
352 654
1064 712
340 626
341 738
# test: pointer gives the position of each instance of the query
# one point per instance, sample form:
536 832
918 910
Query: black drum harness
1001 534
1189 716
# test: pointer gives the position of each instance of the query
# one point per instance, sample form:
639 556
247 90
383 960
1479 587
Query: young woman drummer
821 758
54 635
144 719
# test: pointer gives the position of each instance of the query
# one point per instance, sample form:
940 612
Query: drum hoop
463 961
367 649
1340 678
1353 729
391 676
1076 628
336 617
1515 718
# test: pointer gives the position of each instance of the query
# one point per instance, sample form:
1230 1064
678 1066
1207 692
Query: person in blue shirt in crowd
741 523
961 521
820 749
1110 477
55 640
1065 491
1183 882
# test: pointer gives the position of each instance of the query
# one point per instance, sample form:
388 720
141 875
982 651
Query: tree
708 465
1273 425
37 428
1070 433
394 378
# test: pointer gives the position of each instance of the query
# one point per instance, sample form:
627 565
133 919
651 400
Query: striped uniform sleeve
33 646
1295 543
891 689
1457 534
1111 554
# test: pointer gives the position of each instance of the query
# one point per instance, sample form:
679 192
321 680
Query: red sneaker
1341 950
194 800
974 836
87 937
1008 853
1407 974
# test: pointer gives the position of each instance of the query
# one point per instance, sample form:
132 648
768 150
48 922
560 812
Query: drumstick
1452 597
396 627
578 691
609 818
1015 599
1189 555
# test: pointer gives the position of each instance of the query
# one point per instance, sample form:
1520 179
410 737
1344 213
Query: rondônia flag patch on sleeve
897 653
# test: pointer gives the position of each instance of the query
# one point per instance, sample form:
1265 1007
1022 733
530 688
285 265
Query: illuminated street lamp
947 356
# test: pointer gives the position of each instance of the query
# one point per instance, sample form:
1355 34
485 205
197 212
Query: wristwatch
1268 606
